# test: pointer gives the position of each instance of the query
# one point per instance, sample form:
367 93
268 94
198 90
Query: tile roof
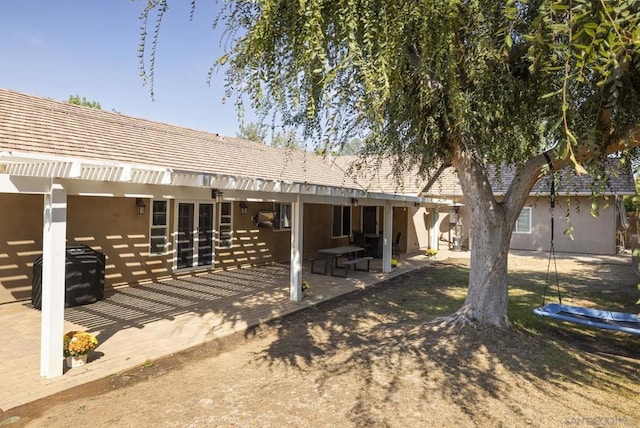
378 176
47 127
620 182
446 184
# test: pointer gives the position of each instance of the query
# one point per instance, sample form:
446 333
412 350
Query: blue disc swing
596 318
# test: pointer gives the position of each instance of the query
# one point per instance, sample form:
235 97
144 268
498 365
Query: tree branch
527 177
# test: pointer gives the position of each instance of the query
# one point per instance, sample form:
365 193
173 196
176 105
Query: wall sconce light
216 194
243 207
140 206
453 214
354 202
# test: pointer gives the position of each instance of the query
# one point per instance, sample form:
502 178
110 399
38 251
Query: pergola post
295 281
54 236
387 238
434 238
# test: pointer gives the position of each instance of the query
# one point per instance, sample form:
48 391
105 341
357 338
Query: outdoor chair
360 241
395 247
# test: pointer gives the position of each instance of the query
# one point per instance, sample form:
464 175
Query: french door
194 234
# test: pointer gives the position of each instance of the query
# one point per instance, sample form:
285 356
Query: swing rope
596 318
552 252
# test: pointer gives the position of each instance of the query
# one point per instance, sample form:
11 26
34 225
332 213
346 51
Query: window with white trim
341 221
225 225
158 227
283 216
523 223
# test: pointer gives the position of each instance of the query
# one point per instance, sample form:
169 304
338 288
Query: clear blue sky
58 48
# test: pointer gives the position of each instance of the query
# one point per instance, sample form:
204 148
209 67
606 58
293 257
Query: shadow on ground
375 357
384 339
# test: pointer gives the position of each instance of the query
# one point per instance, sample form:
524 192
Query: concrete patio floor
141 323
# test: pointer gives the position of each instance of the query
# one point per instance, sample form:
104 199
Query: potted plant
76 346
305 287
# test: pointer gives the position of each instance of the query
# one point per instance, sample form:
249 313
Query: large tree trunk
487 297
493 222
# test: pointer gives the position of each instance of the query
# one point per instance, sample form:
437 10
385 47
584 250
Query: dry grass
372 359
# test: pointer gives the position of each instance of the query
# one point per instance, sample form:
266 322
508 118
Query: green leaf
551 94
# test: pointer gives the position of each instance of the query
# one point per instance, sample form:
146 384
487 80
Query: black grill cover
84 277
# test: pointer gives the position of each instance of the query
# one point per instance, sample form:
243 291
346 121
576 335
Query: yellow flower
77 343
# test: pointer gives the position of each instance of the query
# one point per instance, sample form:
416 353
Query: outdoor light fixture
140 206
243 207
354 202
216 194
453 214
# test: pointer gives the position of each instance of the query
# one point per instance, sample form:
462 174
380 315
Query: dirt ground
370 358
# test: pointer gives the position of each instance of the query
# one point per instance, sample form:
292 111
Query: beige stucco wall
404 221
20 244
318 226
253 245
419 226
592 235
108 225
112 226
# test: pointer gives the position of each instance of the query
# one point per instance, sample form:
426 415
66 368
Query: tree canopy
539 84
253 132
506 79
75 99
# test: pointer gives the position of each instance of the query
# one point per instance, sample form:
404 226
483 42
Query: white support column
54 236
387 239
434 237
295 281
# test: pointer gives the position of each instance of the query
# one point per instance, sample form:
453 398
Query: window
158 227
283 216
341 221
523 224
225 225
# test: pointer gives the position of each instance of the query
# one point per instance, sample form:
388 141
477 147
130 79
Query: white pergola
57 177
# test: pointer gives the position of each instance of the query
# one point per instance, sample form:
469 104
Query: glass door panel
185 235
205 235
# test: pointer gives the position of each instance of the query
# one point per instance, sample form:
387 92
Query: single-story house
573 203
160 201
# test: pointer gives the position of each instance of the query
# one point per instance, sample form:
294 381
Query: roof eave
50 166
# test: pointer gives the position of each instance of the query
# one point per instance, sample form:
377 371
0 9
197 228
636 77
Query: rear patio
136 324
